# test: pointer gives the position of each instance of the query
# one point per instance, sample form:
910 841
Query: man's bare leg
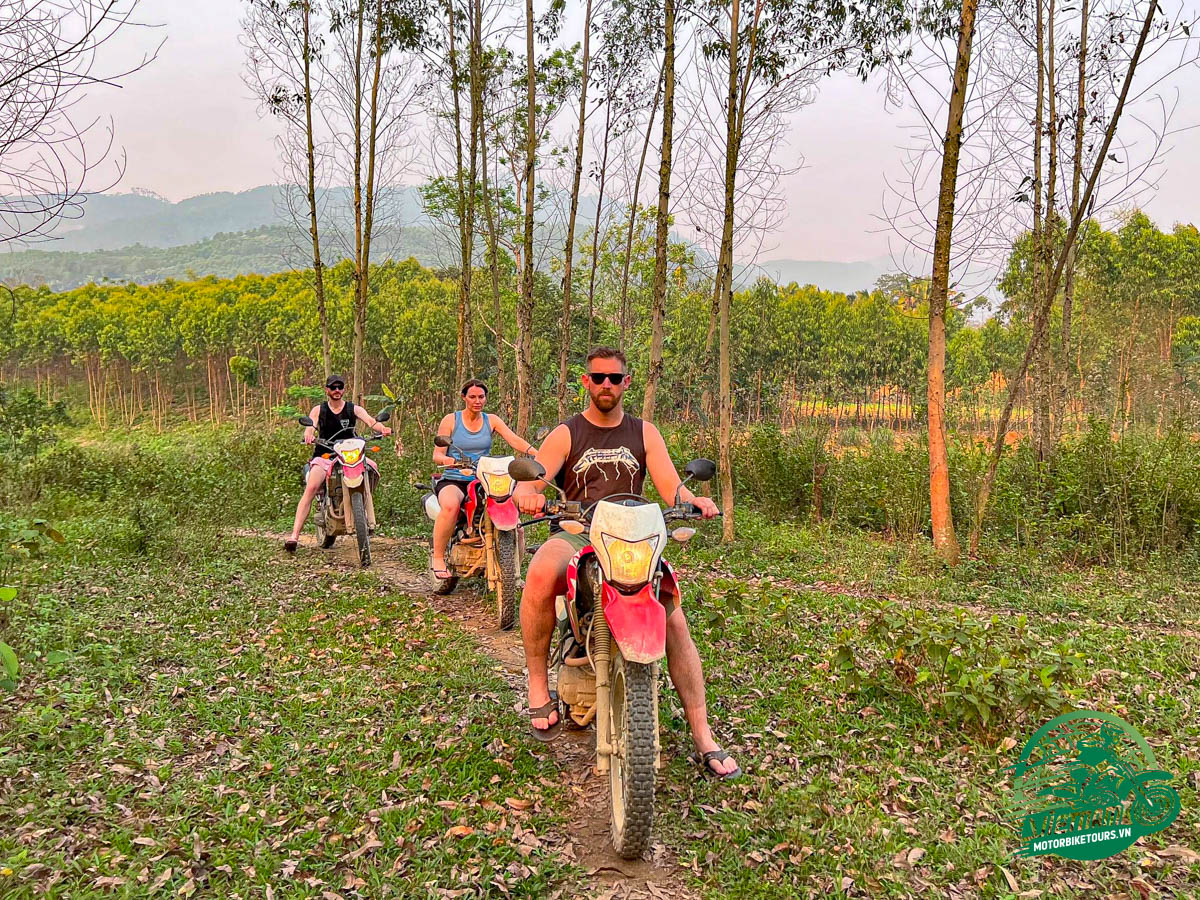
687 674
316 478
545 579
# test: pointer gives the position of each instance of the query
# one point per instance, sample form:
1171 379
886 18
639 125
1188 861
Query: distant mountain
271 248
846 277
113 221
143 237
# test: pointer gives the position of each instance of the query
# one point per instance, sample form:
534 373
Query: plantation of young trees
548 142
219 348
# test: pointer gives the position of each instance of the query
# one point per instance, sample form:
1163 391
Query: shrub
985 676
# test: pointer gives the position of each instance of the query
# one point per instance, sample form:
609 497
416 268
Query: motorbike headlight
498 485
630 561
350 457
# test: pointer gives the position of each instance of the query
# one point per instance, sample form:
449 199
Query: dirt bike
348 487
485 539
606 653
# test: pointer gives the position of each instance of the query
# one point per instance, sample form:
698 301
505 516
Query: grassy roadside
204 706
233 725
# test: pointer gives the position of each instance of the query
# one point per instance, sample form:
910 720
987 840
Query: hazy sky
188 126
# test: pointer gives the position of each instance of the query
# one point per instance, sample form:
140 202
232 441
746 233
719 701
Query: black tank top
333 426
603 461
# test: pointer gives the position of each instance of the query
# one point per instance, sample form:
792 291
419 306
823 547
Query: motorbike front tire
634 716
324 538
506 584
359 507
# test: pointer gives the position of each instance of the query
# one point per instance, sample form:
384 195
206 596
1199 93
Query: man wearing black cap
335 419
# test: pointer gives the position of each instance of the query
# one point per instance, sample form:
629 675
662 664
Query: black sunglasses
613 377
336 387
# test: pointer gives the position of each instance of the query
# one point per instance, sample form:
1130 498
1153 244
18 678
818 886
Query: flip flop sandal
709 772
290 547
543 712
441 574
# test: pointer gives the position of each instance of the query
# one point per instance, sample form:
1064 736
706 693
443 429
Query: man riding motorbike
598 453
470 430
335 418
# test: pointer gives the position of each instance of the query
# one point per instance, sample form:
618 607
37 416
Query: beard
606 402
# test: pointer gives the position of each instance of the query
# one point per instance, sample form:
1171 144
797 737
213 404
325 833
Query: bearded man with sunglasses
335 419
598 453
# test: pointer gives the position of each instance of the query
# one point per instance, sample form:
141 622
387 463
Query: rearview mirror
306 421
525 469
541 433
442 441
701 469
383 416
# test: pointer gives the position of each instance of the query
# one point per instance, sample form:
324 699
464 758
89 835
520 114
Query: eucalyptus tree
769 62
367 108
283 43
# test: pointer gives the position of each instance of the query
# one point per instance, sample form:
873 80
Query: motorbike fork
601 659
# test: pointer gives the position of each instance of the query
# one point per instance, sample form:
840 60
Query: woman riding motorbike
470 431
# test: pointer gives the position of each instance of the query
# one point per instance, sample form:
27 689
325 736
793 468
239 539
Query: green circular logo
1087 786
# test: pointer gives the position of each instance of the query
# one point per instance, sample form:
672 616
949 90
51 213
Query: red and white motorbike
486 540
349 487
611 635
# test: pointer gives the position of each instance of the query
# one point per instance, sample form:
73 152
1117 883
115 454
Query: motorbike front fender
503 513
352 476
638 623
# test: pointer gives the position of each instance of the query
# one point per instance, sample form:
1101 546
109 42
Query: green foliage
988 676
28 421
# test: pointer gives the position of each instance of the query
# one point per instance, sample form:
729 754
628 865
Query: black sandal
550 732
710 773
290 547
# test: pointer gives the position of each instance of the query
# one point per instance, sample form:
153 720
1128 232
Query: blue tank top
472 443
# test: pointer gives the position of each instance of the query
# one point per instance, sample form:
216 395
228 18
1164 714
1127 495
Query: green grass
238 721
202 711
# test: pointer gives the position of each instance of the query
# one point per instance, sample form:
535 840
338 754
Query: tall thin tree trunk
360 313
623 312
1042 315
599 219
733 138
311 160
1076 174
564 349
359 300
492 250
945 541
658 305
1039 230
466 197
525 300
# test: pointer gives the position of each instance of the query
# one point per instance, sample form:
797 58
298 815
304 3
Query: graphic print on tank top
603 461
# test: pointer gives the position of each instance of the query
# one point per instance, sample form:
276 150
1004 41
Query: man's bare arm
661 468
552 454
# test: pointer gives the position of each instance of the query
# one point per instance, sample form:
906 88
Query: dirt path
657 878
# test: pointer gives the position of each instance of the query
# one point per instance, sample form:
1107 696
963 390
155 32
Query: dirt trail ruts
609 877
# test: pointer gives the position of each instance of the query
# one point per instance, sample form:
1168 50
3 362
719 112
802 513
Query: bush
985 676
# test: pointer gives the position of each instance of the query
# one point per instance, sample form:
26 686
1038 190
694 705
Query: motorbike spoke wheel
324 538
634 716
506 584
443 585
359 507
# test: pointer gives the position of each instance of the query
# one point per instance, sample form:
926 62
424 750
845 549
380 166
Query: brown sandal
703 760
550 732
